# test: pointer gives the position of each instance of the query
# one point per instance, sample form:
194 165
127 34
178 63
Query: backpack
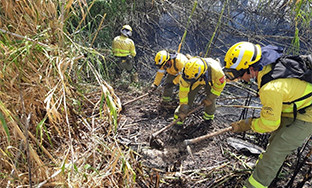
299 66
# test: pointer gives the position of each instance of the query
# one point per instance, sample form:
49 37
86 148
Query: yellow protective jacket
123 46
217 77
176 68
272 96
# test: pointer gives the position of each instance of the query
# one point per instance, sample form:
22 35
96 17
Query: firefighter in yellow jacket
124 51
199 73
172 63
246 61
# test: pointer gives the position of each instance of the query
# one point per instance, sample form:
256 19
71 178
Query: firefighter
246 61
172 63
199 73
124 51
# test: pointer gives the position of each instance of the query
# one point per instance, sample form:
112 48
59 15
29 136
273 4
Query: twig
249 90
27 149
23 37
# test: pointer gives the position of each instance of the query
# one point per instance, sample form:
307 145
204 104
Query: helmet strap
248 71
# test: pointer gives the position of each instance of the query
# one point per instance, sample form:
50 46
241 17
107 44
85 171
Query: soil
215 163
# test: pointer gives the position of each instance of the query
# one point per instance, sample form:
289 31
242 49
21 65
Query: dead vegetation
61 124
57 129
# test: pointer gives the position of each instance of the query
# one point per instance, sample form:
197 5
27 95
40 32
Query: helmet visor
232 74
126 32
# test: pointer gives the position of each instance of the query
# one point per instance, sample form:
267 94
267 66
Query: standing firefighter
171 63
124 50
279 116
199 73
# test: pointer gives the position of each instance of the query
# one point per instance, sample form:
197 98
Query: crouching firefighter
199 73
170 63
124 51
286 98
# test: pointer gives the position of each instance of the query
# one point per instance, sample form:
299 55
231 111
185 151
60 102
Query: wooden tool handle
198 139
135 99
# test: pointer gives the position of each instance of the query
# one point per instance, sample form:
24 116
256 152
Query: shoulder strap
175 65
267 77
207 75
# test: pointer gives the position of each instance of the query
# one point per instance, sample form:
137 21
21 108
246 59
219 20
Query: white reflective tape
160 61
161 71
239 59
199 71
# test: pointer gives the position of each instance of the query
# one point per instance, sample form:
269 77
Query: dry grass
56 129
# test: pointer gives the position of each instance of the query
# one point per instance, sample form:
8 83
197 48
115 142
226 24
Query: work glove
241 126
184 108
207 102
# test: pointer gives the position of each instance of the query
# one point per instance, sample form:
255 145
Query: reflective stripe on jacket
218 82
123 46
179 61
255 183
272 96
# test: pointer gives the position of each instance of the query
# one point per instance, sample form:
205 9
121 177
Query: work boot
208 123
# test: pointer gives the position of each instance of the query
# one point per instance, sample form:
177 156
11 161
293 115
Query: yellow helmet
161 58
241 55
126 27
126 30
193 69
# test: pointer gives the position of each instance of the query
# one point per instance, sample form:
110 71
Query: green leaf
5 126
87 166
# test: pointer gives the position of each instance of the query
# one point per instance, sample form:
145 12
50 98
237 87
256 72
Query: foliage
302 19
115 13
49 97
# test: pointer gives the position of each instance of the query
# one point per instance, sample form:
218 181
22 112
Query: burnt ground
215 162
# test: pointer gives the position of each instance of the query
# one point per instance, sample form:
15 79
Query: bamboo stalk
98 29
187 24
216 29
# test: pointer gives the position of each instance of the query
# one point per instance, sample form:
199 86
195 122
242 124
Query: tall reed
51 95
